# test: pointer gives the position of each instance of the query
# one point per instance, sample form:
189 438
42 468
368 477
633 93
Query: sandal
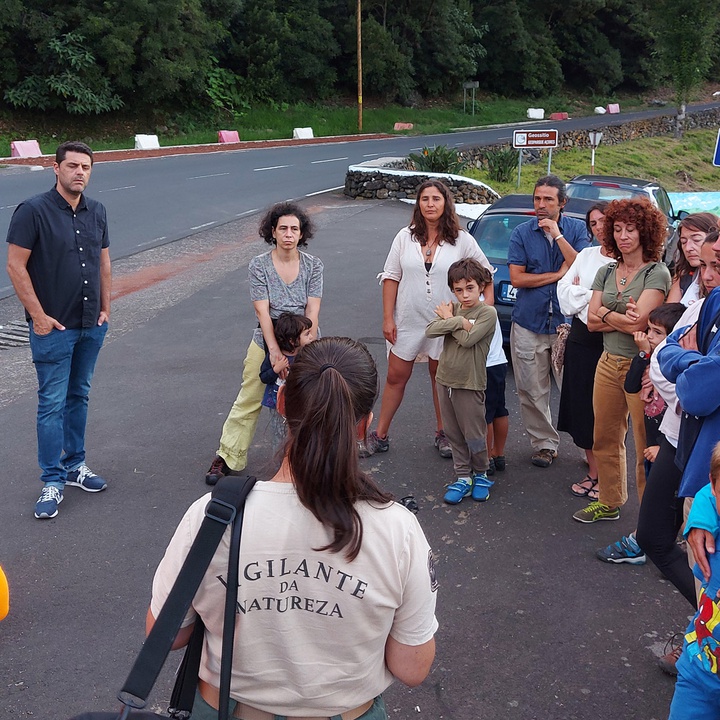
593 494
583 488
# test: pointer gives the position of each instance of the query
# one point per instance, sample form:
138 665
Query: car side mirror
681 215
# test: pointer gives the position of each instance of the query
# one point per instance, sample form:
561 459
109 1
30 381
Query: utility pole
359 64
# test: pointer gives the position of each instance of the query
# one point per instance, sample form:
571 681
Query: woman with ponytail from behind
337 585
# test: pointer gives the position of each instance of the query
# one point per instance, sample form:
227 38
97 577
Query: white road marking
8 207
372 154
320 192
150 242
247 212
200 177
126 187
318 162
198 227
272 167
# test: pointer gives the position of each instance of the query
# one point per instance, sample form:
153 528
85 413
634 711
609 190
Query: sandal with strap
594 494
584 487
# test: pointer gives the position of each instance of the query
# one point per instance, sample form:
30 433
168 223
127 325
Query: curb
132 154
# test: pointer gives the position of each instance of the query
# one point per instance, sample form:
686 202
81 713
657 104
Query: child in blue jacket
697 691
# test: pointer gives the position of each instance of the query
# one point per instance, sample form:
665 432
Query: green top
653 276
463 361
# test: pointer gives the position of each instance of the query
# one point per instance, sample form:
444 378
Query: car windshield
601 192
492 233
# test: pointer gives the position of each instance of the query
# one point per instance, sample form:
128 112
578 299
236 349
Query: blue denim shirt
537 309
65 245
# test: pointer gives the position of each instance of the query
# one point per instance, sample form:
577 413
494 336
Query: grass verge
116 132
683 165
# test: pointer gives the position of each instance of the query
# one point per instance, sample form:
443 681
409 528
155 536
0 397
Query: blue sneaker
625 550
457 491
83 477
47 505
481 487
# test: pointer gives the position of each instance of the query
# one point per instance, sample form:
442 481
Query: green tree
387 70
70 80
522 55
685 42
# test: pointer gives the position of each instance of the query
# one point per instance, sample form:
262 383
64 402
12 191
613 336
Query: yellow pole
359 64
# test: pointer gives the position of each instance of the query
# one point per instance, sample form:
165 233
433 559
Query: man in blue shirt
540 253
59 265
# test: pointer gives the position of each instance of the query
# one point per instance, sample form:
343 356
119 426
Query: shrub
502 163
440 159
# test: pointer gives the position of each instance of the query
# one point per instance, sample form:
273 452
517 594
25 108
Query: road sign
535 139
716 157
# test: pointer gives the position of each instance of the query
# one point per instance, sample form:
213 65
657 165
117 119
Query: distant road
155 201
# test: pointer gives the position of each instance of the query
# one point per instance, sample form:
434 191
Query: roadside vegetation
680 165
262 122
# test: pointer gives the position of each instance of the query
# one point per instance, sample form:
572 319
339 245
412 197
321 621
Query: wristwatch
643 355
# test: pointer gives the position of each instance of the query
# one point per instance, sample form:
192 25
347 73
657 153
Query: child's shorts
495 393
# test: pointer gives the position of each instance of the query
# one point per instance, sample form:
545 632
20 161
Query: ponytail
332 387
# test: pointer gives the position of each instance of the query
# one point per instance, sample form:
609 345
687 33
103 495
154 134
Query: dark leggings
660 519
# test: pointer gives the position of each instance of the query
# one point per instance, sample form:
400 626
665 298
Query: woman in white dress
414 282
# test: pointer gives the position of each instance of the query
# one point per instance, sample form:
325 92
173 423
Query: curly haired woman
634 233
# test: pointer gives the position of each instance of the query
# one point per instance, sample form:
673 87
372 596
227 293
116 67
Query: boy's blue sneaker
457 491
625 550
83 477
481 487
47 505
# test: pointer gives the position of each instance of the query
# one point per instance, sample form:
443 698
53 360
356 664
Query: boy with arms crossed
468 327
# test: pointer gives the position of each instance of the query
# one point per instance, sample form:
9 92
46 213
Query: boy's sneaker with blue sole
458 490
625 550
481 487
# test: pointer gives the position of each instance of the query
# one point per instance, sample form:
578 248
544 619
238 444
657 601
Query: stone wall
614 134
370 181
381 179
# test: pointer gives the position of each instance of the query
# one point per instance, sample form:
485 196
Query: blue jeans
697 692
64 361
202 711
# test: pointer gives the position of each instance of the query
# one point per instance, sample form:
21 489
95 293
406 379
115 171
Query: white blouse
575 299
420 291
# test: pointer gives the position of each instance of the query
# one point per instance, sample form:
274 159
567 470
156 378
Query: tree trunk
680 121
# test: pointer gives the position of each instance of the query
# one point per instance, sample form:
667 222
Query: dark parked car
492 231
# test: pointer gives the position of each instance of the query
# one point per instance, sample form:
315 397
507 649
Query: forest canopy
90 56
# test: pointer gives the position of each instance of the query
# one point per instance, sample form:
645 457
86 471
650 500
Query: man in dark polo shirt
59 264
540 253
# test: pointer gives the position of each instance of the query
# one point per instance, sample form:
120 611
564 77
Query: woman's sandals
587 487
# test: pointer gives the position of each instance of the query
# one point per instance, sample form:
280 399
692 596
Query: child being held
661 322
467 327
291 332
697 690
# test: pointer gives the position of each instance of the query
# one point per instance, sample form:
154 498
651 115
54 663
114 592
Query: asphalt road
532 626
156 201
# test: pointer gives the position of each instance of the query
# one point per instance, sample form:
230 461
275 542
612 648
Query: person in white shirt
337 585
414 283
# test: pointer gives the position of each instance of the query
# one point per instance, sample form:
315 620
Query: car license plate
508 292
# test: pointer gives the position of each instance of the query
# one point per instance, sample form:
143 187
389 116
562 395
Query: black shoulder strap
228 499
